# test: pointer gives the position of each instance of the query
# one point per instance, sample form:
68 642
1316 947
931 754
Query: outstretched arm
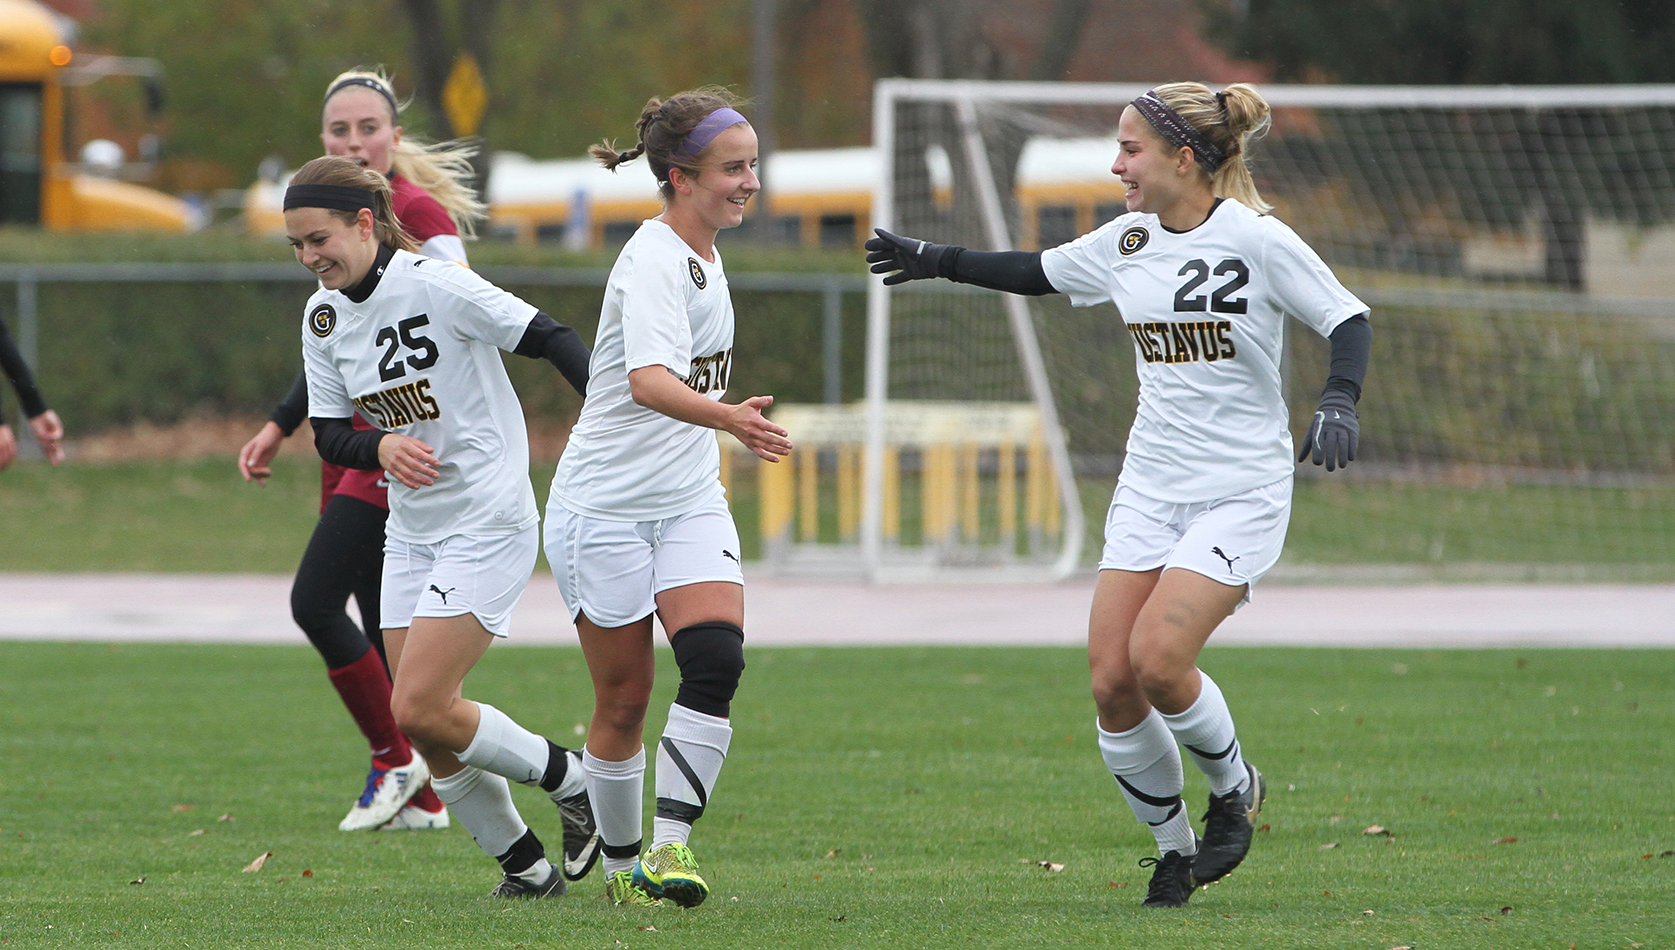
255 460
547 339
43 422
1017 272
1335 433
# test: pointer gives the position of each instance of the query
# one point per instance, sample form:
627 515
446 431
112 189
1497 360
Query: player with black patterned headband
637 521
410 343
1204 279
43 422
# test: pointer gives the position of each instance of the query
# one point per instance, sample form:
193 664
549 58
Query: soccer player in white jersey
411 344
637 522
1204 280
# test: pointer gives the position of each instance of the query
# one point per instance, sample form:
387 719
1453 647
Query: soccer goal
1516 245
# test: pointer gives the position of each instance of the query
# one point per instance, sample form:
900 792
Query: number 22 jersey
418 356
1206 311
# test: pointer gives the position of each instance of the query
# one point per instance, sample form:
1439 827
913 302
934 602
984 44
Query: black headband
1178 131
334 197
373 84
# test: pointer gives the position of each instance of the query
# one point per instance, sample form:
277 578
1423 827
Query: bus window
20 153
617 233
1055 224
1107 212
837 230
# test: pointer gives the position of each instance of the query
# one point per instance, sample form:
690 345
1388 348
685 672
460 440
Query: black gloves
1334 433
910 258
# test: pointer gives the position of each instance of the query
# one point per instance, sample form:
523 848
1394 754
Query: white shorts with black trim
1233 540
463 574
612 571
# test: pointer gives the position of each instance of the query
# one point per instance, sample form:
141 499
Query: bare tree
434 55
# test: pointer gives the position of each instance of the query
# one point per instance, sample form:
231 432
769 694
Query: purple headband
1178 131
700 138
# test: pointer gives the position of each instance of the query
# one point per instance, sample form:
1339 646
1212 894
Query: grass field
198 515
875 798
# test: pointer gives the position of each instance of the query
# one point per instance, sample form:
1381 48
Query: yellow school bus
36 186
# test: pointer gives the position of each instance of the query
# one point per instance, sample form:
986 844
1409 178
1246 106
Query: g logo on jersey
696 272
322 320
1132 240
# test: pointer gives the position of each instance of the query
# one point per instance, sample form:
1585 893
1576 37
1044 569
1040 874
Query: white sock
505 748
1147 766
575 777
1206 729
699 743
617 790
482 801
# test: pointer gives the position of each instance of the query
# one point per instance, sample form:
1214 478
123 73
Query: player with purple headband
637 522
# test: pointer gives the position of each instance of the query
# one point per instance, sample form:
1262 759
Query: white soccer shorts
482 574
1233 540
613 570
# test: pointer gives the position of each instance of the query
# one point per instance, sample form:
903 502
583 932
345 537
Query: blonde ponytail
1232 120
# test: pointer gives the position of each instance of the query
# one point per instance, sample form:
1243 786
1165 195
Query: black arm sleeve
11 361
1016 272
340 443
547 339
291 411
1352 343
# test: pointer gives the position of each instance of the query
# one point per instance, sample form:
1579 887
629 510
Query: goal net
1516 246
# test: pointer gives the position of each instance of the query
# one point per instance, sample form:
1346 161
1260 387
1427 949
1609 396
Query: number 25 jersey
418 356
1206 310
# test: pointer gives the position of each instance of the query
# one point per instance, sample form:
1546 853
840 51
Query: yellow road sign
466 95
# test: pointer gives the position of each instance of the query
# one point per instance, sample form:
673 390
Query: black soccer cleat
1229 824
581 835
1172 881
513 886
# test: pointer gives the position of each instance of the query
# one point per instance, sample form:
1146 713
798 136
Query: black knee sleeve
711 657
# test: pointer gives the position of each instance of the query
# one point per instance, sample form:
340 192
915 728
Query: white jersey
419 356
1206 308
664 306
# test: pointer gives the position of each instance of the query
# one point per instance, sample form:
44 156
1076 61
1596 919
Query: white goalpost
1516 244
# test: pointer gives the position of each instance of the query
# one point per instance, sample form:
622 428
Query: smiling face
1156 174
356 123
726 179
339 253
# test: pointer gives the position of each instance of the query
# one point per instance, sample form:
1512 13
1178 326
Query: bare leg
430 659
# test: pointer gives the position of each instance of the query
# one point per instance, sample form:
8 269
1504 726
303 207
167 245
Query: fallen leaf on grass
1506 840
648 928
182 808
1375 830
832 853
1264 827
307 873
1402 947
1505 911
226 818
1667 854
137 881
839 918
1328 846
1366 913
1116 884
1636 945
256 865
1050 865
194 834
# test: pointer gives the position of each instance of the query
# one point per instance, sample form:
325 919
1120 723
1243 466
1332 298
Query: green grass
200 516
873 798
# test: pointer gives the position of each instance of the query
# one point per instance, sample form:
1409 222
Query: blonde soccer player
411 344
637 522
1204 279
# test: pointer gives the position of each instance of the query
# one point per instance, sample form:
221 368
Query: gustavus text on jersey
399 405
1186 342
709 373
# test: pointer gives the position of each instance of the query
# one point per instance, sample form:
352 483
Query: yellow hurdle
952 441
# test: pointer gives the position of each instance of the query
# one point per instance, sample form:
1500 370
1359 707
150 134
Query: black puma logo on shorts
731 556
443 593
1218 553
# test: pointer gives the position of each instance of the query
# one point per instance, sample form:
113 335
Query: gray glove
910 258
1335 432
